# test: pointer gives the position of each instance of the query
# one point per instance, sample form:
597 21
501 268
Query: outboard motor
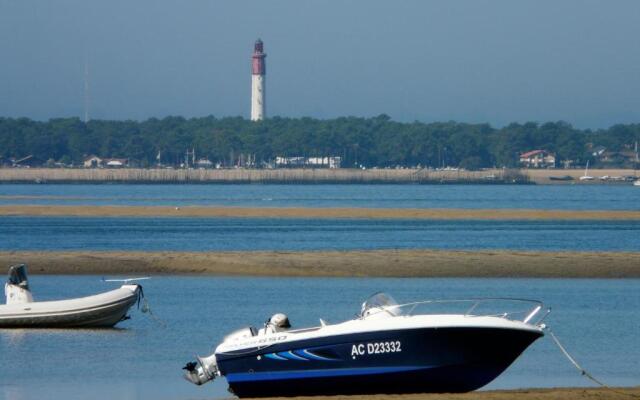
203 370
16 289
278 322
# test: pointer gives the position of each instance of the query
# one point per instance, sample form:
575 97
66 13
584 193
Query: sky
497 61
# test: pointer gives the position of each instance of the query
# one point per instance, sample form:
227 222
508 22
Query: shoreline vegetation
574 393
377 141
371 263
308 212
312 176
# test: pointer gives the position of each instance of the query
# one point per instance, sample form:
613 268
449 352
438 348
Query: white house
538 159
316 162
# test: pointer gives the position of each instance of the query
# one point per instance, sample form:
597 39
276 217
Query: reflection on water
595 319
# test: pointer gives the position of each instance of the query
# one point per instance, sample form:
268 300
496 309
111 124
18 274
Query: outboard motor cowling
278 322
16 289
203 370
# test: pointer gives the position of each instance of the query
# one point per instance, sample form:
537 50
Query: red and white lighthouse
258 82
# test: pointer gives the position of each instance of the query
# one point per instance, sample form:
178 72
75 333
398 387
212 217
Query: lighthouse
258 83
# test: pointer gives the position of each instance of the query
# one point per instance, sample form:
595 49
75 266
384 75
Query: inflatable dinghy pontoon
97 311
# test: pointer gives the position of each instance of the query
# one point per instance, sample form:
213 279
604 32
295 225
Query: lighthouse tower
258 83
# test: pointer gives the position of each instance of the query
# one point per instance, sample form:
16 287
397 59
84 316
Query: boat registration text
362 349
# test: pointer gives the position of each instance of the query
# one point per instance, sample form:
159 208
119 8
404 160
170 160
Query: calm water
568 197
208 234
598 321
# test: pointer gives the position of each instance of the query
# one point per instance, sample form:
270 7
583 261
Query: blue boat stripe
300 353
291 356
315 373
274 356
315 356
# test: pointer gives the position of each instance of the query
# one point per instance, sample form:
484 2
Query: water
565 197
212 234
596 319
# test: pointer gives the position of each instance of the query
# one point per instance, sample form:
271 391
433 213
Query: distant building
290 162
538 159
92 162
598 151
328 162
315 162
621 158
98 162
116 162
204 163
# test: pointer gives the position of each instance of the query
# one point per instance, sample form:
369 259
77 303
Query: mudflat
303 212
373 263
520 394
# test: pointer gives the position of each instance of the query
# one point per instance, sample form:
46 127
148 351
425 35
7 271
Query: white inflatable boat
97 311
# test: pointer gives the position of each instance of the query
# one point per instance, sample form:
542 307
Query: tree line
369 142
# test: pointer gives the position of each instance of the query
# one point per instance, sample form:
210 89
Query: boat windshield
18 276
380 301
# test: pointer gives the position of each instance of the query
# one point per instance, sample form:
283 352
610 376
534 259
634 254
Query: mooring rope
146 308
583 371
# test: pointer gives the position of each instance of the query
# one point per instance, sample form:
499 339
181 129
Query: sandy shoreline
520 394
377 263
300 212
307 175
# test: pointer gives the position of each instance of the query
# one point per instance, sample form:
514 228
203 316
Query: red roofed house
538 159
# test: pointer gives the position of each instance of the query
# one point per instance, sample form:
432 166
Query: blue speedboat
387 348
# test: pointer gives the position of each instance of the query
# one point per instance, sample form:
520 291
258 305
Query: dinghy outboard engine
16 289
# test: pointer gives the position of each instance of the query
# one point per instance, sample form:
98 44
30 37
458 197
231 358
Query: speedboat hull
389 348
458 359
98 311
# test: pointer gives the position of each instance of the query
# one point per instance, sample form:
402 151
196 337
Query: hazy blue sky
476 61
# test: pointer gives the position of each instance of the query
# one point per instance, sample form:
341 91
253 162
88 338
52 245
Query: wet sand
300 212
377 263
520 394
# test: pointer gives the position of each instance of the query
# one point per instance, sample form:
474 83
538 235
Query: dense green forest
370 142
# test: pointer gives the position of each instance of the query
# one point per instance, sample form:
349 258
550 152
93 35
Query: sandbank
304 212
375 263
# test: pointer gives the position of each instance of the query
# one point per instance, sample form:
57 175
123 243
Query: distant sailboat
586 176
